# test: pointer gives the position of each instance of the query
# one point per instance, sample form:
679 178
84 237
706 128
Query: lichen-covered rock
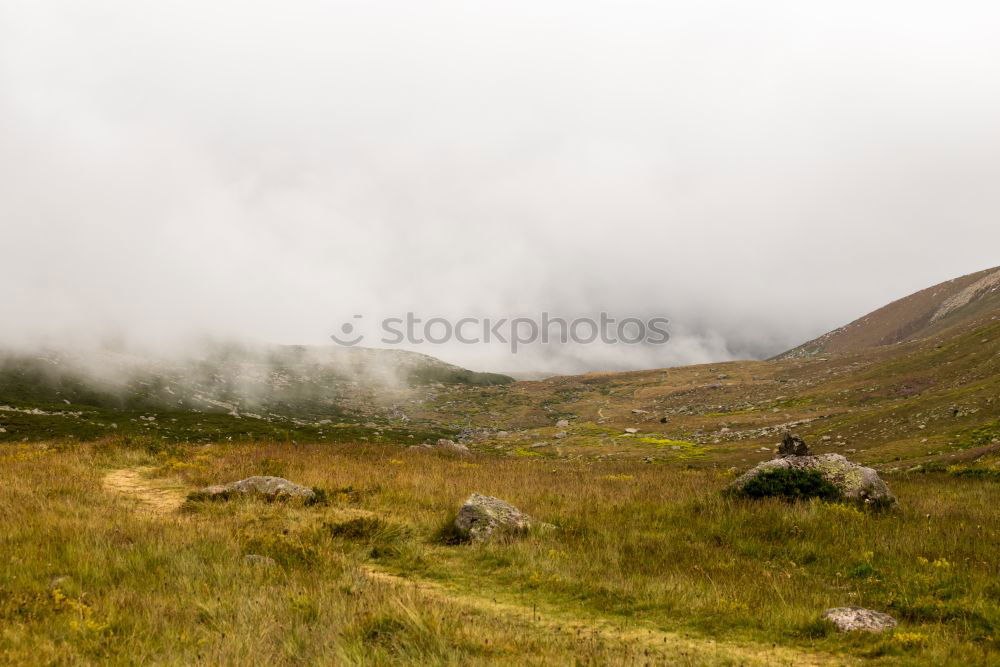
855 482
269 487
482 517
851 619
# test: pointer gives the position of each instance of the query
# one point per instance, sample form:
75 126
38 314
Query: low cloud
757 175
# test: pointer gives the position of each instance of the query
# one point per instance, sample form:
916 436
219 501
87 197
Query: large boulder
269 487
855 482
851 619
483 517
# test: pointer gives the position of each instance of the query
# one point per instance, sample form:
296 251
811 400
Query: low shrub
791 484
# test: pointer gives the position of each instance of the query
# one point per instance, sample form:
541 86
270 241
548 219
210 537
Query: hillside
917 316
226 391
930 399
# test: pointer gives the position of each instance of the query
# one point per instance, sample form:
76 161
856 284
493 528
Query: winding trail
648 645
153 497
159 499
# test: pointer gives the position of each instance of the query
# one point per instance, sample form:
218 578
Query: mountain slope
914 317
224 392
930 399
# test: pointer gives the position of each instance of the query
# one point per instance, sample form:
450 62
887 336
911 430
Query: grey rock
452 447
560 435
793 445
852 619
271 487
562 423
483 517
857 483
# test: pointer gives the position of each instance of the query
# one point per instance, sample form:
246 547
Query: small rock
562 423
851 619
631 430
270 487
61 582
452 447
482 517
560 435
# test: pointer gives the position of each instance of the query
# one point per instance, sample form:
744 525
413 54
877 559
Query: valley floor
105 561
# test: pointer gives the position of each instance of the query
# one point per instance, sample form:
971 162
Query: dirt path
159 498
153 496
656 645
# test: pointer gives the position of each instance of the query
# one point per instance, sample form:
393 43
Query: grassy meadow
645 564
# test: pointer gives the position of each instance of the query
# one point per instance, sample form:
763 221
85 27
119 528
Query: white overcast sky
757 172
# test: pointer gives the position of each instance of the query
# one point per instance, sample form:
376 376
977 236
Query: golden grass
647 564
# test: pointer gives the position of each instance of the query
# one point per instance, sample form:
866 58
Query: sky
757 173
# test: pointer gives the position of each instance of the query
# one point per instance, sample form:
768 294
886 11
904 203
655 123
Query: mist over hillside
228 378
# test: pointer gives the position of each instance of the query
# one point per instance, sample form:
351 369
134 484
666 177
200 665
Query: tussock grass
643 546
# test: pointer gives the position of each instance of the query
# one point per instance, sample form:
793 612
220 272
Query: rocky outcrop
855 482
482 518
858 619
269 487
793 445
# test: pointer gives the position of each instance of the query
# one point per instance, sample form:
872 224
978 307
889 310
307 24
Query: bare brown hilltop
915 317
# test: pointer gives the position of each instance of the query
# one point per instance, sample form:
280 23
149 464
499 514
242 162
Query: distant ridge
917 316
290 379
